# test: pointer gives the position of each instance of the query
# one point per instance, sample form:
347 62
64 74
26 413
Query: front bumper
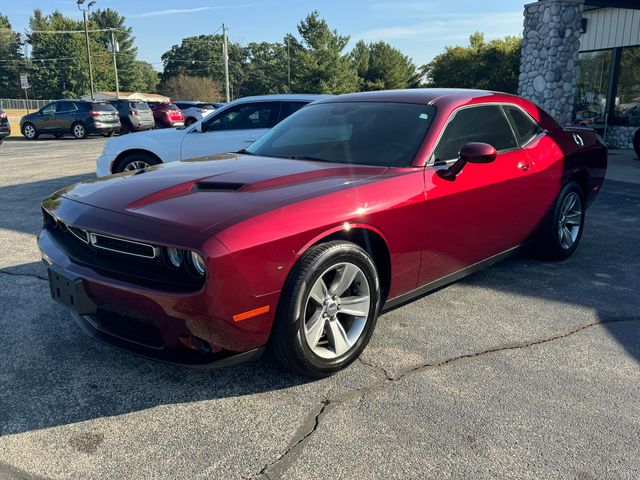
184 327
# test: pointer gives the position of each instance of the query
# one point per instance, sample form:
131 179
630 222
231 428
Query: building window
627 103
592 87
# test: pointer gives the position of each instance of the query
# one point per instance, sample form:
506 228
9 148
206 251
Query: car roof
414 95
292 97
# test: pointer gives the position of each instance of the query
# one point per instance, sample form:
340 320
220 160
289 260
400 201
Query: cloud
178 11
448 27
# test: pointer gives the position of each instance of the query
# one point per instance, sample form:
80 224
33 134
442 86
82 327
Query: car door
483 210
47 118
66 114
230 129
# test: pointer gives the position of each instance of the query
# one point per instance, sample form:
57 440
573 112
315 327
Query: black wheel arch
122 157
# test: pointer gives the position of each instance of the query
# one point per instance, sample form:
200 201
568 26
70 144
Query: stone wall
548 65
619 136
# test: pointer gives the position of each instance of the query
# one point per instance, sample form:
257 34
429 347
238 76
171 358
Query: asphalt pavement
526 370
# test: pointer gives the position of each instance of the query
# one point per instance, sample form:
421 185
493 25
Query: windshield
362 133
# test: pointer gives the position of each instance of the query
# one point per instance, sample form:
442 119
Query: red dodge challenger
352 205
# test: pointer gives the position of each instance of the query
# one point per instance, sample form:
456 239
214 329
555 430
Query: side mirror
472 152
199 128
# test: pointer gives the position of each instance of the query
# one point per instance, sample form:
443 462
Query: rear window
206 106
171 106
140 105
103 107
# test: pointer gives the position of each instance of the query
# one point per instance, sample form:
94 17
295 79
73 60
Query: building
141 97
581 63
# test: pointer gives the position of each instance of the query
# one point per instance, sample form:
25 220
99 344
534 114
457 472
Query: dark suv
134 116
77 117
167 114
5 128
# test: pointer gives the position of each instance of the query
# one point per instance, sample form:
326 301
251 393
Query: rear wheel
29 131
564 231
135 161
78 130
328 309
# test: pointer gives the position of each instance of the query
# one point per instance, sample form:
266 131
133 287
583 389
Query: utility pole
85 11
225 57
115 48
288 65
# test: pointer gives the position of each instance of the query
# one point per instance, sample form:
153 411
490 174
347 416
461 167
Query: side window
245 116
289 108
65 107
525 128
49 109
485 124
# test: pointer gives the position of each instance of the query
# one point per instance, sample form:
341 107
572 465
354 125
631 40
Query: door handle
523 165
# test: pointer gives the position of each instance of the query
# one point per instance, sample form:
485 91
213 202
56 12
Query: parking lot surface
528 369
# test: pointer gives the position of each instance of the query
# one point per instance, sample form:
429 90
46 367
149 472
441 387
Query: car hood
201 193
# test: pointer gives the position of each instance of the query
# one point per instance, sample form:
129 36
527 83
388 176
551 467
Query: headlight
174 256
198 264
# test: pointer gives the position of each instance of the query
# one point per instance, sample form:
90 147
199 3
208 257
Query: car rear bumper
103 127
141 124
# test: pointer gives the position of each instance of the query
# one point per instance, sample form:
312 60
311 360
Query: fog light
175 256
198 264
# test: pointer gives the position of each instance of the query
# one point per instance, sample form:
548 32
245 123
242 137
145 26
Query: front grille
125 247
127 260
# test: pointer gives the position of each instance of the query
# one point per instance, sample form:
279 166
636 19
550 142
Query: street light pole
225 55
115 48
85 11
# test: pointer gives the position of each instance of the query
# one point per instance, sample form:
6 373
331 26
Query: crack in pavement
17 274
281 464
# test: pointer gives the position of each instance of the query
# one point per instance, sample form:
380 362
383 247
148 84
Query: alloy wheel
337 310
78 131
135 165
29 131
570 220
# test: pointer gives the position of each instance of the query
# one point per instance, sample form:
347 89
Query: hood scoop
206 186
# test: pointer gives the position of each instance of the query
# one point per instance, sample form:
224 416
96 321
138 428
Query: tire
107 135
135 161
189 121
566 224
29 131
58 135
78 130
292 338
636 143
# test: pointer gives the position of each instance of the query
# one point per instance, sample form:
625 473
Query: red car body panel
252 218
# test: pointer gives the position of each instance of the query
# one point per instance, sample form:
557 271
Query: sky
420 29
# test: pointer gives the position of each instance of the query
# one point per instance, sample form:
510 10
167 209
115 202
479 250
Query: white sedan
229 129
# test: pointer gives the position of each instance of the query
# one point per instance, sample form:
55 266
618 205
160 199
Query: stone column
548 64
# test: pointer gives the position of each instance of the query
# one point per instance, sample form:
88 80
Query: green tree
266 70
11 61
486 65
181 87
130 71
318 62
201 56
382 67
59 64
148 77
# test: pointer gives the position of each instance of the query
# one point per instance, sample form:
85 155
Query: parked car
134 116
230 128
76 117
636 142
195 111
5 127
353 205
166 114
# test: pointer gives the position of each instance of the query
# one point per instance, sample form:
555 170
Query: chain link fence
22 104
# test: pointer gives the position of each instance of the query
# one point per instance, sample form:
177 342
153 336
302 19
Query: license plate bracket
68 290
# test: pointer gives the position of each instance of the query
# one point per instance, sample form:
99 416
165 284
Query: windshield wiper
311 159
244 151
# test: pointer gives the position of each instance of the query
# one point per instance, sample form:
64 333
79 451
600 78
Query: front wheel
564 231
135 161
327 310
29 131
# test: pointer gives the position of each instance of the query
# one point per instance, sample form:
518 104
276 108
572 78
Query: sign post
24 83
